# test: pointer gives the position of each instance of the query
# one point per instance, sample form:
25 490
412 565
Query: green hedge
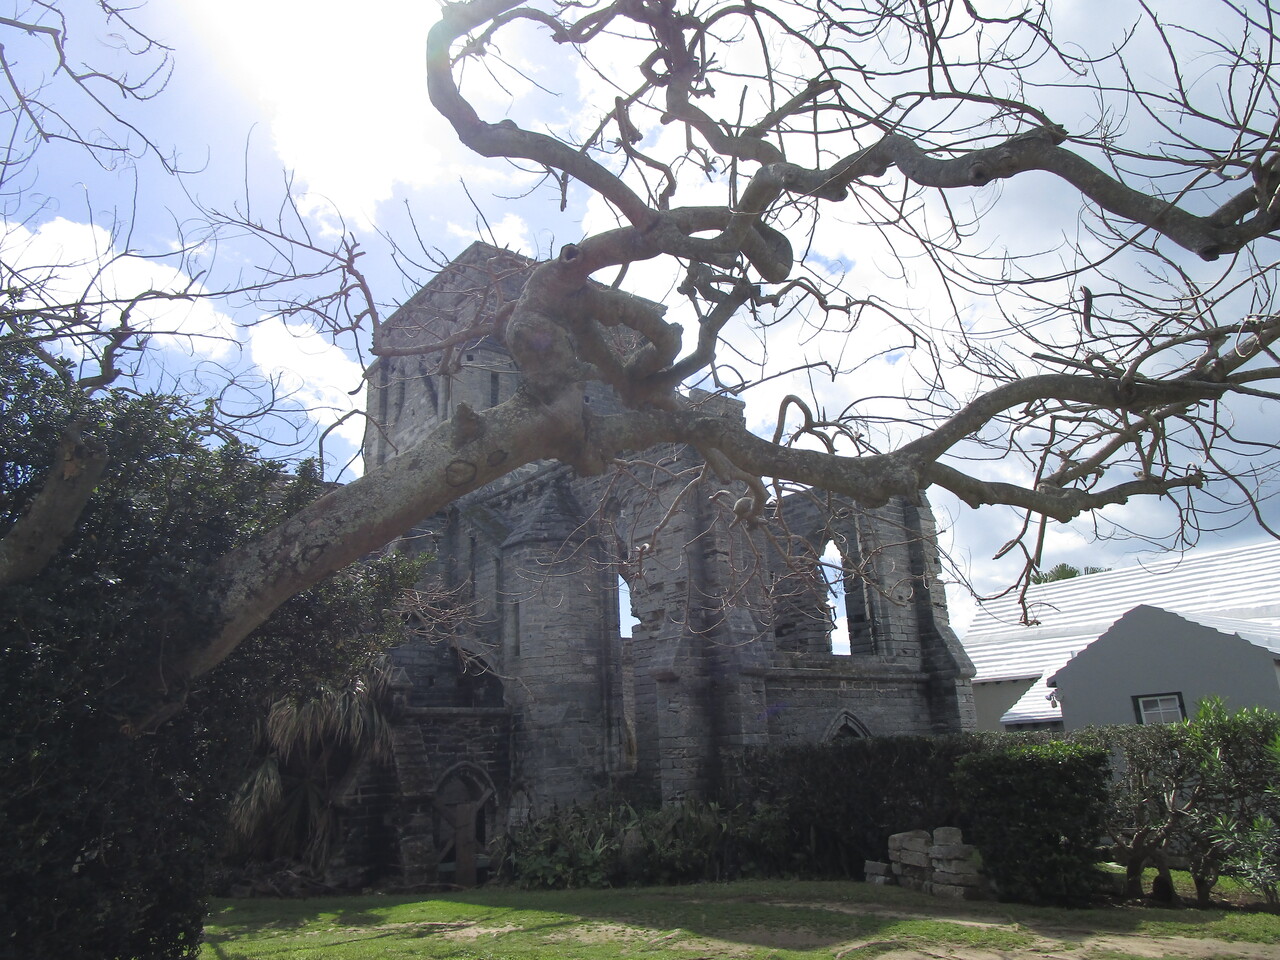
1036 815
839 802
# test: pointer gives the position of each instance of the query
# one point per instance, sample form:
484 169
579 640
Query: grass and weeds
737 921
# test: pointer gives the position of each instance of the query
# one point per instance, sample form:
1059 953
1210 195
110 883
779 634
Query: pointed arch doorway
466 806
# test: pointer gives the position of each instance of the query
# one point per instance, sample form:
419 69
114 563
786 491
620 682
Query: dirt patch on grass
1040 943
1195 949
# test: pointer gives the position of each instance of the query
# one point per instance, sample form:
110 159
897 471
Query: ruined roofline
482 266
478 255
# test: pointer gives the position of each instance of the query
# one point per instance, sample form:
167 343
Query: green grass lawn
750 920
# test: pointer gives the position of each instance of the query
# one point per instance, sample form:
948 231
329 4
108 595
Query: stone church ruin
828 621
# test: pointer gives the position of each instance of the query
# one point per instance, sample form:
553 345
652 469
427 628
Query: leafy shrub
1250 851
1036 815
1196 791
1230 796
614 844
106 840
576 847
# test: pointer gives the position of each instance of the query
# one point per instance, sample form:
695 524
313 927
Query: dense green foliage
1036 814
1232 794
812 810
1063 571
613 844
1197 792
106 840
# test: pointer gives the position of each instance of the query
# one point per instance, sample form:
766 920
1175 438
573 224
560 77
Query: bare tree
1103 370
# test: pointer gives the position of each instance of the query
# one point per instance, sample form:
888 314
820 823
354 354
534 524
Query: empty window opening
834 573
850 603
495 389
627 621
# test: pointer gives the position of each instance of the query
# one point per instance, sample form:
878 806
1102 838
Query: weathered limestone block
919 838
878 872
971 879
944 835
940 863
912 858
952 851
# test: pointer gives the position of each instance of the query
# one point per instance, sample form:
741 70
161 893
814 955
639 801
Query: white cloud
511 232
318 376
79 263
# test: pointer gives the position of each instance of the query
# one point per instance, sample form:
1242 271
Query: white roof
1236 590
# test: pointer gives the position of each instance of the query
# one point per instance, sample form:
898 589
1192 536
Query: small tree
1189 789
1235 777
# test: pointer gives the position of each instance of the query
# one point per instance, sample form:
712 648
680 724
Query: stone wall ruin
540 700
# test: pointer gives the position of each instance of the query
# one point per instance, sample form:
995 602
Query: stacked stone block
938 863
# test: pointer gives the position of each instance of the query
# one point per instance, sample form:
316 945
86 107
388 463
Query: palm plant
306 749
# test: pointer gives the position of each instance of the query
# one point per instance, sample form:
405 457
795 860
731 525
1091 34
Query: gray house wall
992 700
1151 651
732 648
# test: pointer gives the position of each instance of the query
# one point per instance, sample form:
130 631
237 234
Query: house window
1159 708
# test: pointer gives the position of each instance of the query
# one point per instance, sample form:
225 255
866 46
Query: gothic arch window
846 726
627 621
834 572
850 600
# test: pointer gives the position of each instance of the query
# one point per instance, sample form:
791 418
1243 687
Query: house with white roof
1140 644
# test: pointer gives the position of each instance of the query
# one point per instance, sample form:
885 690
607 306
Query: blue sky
334 93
